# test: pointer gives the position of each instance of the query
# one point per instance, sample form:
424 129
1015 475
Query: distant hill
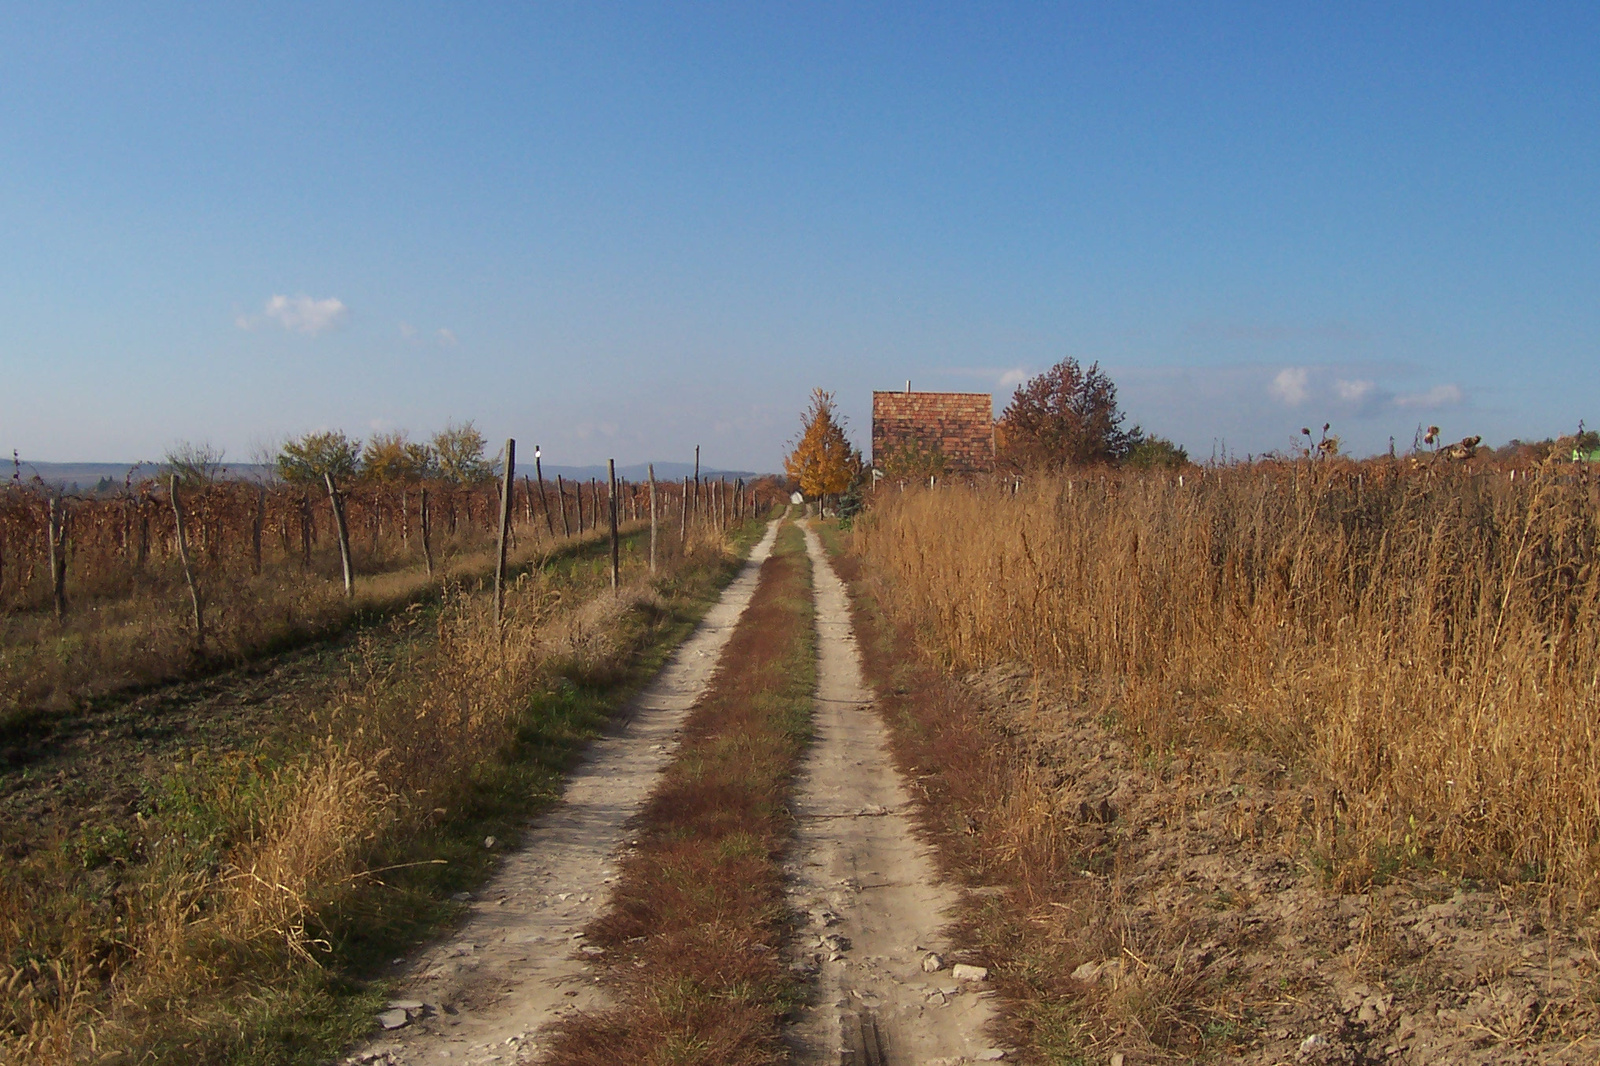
85 478
109 477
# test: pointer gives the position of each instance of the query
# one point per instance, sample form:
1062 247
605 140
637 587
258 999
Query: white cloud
446 338
1353 391
407 331
1012 378
299 314
1290 386
1438 396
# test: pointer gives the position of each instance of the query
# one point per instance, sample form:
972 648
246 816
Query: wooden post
697 480
188 572
255 529
143 555
652 519
683 515
305 529
577 497
561 498
424 530
126 531
344 534
538 470
508 483
56 534
611 473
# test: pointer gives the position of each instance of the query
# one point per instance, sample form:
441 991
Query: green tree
394 457
1067 416
304 460
458 454
823 461
1148 453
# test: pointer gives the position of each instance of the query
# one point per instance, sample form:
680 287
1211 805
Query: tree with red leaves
1067 416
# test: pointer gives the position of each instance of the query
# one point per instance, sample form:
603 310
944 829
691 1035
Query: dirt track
866 884
857 874
481 994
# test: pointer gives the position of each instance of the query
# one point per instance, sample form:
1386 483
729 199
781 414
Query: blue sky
621 230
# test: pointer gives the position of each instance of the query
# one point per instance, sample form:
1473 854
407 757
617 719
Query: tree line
454 455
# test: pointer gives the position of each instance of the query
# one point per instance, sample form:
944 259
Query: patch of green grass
1057 1033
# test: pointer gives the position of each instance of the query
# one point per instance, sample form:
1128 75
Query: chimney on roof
908 386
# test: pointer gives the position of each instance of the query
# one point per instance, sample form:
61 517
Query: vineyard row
53 545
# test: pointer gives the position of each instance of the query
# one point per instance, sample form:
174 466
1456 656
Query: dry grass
1423 643
696 919
227 921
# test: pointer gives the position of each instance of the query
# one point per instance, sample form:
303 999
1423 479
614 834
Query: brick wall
959 424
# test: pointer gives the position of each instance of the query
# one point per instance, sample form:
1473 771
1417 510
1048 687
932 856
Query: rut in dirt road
865 886
516 963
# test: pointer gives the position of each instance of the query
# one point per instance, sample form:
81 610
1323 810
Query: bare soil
97 763
1204 864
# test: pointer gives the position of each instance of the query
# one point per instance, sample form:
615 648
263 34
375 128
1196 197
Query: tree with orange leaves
823 461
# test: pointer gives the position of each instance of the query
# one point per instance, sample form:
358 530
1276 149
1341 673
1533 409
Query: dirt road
481 995
885 992
866 885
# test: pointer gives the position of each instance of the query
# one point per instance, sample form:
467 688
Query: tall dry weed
240 868
1425 642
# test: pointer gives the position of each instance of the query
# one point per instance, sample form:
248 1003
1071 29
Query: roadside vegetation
233 906
1291 755
691 938
1423 643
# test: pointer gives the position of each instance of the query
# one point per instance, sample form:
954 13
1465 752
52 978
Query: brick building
957 425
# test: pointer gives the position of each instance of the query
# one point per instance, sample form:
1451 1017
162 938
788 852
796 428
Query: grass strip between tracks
692 933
